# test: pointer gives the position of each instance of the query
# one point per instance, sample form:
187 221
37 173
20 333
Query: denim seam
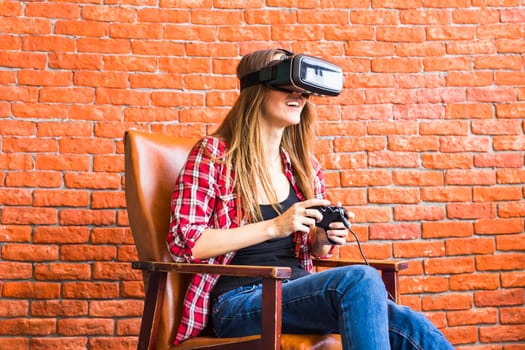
405 336
347 337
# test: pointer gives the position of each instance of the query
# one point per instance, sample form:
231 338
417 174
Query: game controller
331 214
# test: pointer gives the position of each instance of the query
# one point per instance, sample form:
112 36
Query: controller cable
347 225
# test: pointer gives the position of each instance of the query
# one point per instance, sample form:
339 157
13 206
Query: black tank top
274 252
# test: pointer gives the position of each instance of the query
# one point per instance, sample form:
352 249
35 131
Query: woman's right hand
299 217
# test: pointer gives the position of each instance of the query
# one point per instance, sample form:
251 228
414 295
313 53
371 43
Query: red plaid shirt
205 198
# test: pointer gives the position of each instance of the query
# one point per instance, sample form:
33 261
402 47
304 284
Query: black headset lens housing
299 73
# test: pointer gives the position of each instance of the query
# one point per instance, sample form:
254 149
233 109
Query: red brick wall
426 146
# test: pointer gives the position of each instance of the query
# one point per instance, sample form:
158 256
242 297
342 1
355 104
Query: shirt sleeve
193 200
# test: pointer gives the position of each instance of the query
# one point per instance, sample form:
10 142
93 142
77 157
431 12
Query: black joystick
331 214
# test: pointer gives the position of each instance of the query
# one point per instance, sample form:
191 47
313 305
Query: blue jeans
349 300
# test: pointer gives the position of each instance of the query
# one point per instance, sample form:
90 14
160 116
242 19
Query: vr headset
302 73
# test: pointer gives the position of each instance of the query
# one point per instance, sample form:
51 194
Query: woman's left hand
336 234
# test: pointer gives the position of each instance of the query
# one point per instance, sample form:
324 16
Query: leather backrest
152 164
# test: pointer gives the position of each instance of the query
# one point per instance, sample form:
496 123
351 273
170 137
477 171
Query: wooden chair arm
276 272
382 265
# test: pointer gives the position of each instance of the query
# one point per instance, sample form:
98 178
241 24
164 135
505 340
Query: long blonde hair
241 130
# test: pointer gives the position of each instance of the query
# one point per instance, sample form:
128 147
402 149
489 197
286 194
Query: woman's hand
336 234
299 217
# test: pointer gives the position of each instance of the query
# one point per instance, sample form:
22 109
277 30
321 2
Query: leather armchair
152 163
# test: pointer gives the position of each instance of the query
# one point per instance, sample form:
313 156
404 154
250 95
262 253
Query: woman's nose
301 93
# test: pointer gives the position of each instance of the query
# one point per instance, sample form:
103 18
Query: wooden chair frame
272 295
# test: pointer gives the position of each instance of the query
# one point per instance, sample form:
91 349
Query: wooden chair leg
271 314
152 308
391 280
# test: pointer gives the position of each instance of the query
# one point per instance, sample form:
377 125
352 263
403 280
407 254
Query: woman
246 196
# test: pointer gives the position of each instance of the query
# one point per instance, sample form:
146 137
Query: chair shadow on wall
152 164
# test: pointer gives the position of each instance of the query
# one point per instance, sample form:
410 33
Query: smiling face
283 108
